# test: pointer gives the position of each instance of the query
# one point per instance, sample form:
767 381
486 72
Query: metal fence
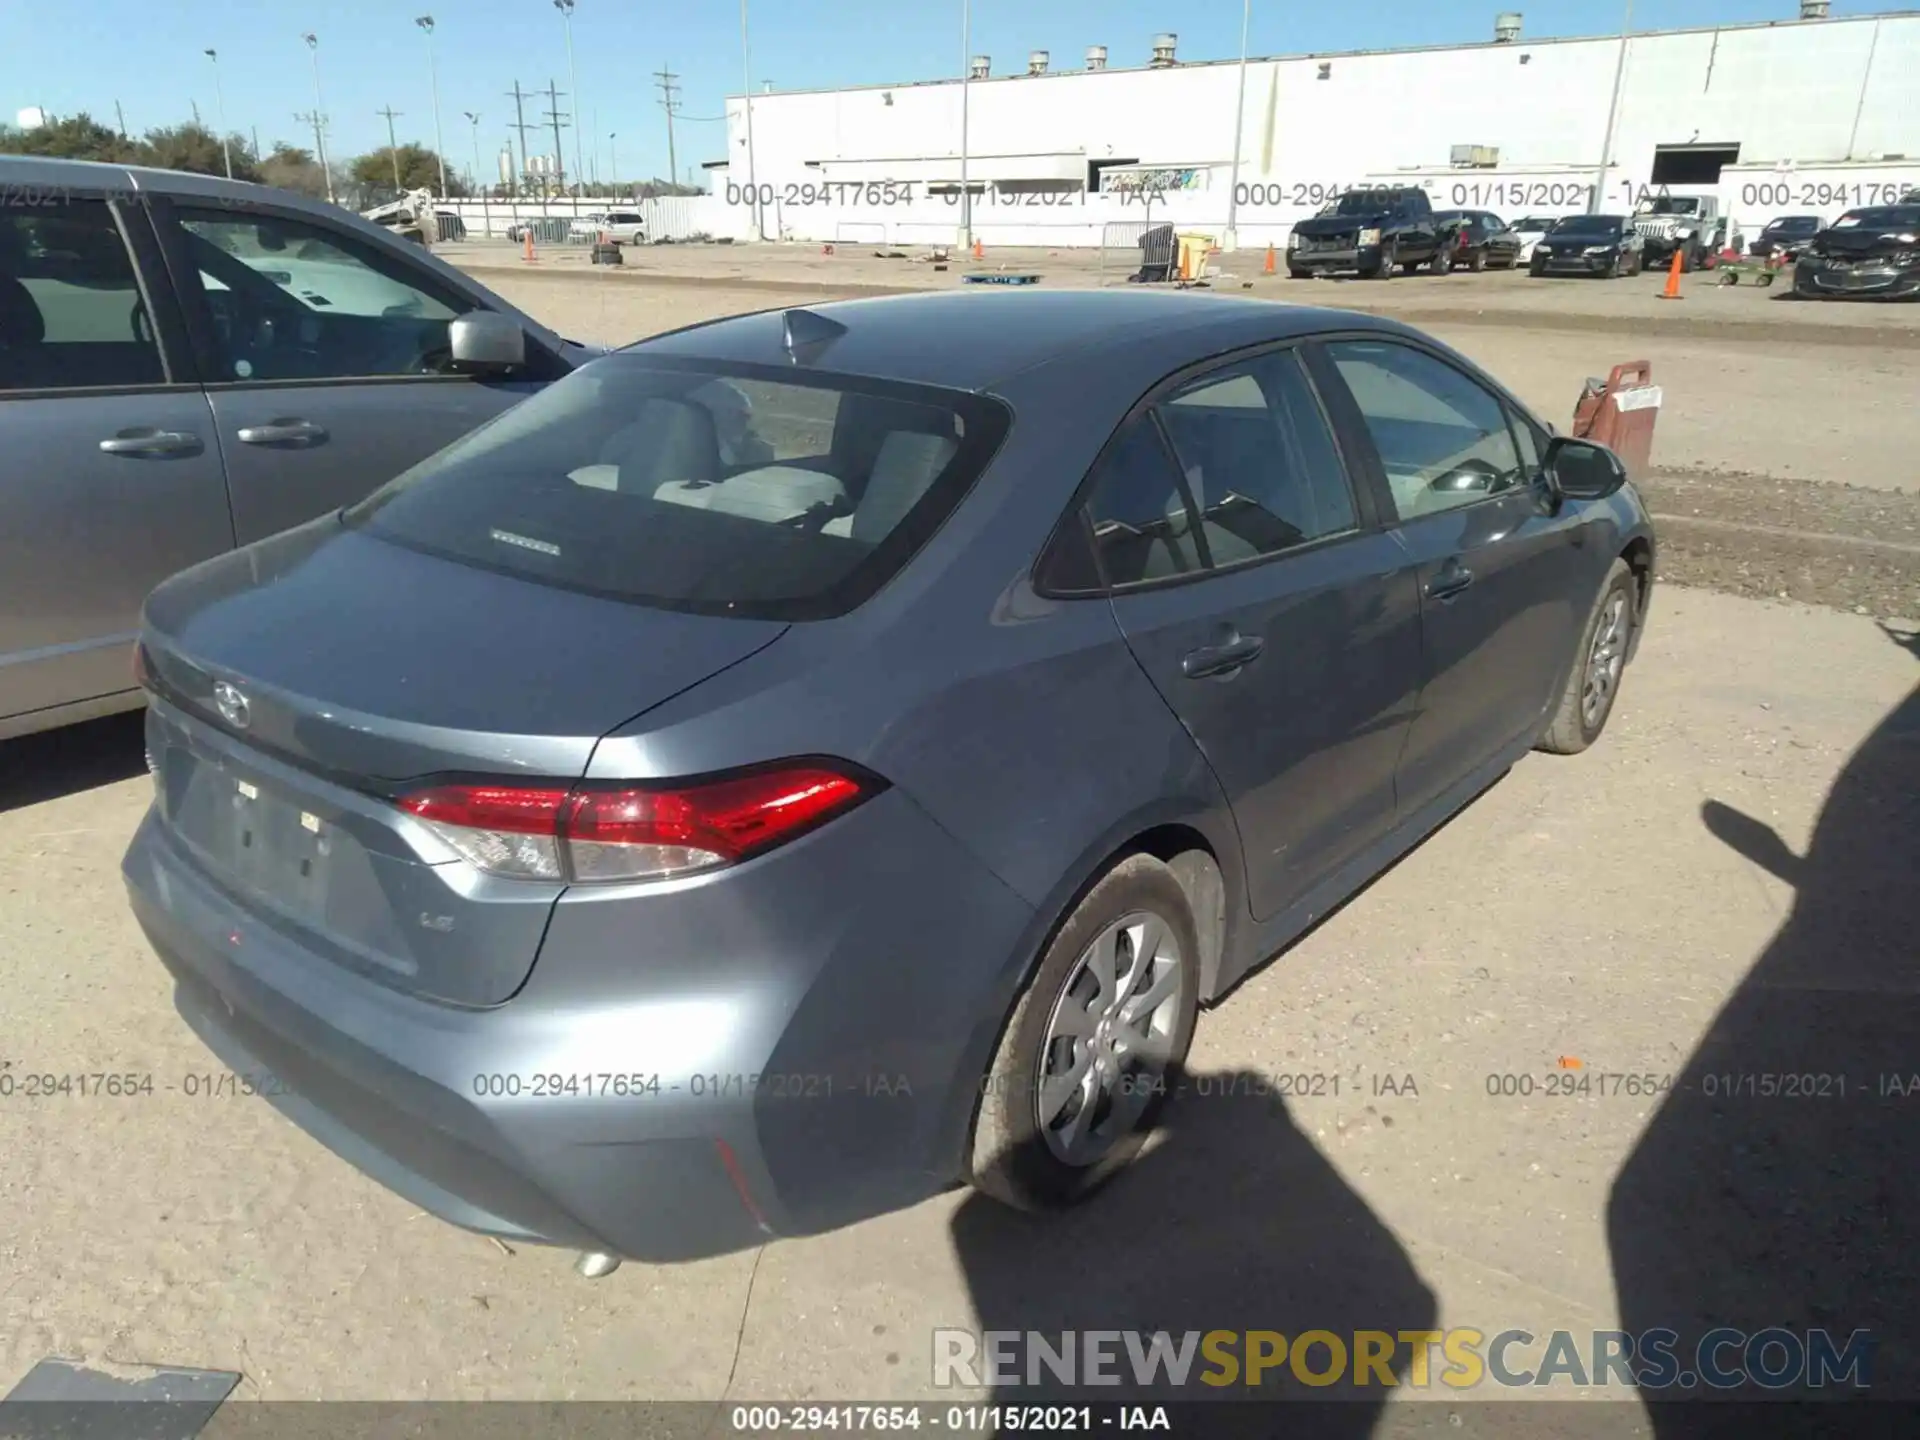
1136 247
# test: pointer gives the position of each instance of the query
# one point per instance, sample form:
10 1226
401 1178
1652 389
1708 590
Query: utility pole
196 111
966 77
121 116
425 22
1598 201
319 114
316 119
257 156
479 181
668 87
746 104
393 145
556 117
613 162
565 7
520 125
220 99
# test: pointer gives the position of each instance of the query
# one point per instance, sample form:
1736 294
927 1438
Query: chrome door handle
1221 659
1453 577
147 441
283 432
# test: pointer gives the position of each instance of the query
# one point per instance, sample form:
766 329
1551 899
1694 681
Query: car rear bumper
687 1072
1574 264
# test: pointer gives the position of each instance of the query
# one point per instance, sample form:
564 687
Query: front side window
289 299
1259 461
71 314
1442 437
718 490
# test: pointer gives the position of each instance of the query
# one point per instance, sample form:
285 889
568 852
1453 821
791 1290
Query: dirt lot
1717 885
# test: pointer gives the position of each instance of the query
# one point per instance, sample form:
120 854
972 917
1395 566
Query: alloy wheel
1605 657
1110 1037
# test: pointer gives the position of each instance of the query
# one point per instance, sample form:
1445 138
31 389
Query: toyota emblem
231 702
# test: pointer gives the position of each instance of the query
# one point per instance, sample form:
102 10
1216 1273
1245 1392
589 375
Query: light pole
486 219
220 109
966 83
1613 110
425 22
1239 126
613 163
746 100
565 7
319 114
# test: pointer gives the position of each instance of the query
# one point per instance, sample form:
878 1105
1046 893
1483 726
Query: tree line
192 146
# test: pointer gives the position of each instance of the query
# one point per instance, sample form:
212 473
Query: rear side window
720 490
1142 525
71 314
1258 459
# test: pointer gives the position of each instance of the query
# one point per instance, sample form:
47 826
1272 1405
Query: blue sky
146 54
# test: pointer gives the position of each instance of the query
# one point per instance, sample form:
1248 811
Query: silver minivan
188 364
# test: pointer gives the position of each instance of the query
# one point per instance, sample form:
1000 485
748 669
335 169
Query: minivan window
726 489
71 314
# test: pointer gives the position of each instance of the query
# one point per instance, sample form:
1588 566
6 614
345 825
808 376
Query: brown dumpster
1619 413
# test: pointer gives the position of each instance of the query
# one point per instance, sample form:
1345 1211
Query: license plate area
273 845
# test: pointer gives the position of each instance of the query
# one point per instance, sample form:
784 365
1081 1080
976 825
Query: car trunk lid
304 684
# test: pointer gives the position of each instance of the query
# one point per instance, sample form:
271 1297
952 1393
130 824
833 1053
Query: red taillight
637 834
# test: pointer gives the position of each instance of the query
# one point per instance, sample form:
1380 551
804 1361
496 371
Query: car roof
976 339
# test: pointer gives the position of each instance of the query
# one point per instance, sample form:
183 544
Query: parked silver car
189 364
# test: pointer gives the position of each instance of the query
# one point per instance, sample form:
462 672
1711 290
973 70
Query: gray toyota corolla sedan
805 761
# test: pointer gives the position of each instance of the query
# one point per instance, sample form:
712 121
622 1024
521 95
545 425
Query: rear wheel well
1185 852
1639 558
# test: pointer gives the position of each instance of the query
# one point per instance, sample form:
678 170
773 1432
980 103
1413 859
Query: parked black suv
1371 231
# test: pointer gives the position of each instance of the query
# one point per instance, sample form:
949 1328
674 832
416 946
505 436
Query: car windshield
1668 205
1880 217
1793 225
734 490
1363 202
1595 227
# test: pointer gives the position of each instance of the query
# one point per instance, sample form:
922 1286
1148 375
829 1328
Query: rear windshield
1793 225
735 490
1588 225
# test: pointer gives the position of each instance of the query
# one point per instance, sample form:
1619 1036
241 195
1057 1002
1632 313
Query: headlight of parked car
1293 241
1370 236
1598 249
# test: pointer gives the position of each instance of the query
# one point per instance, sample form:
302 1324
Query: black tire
1536 269
1443 260
1572 728
1383 268
1011 1159
1477 260
1293 274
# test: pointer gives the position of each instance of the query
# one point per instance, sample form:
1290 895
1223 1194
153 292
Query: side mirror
1582 470
483 343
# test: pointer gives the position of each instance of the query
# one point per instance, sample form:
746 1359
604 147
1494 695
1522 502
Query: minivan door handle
1222 659
283 432
1449 580
147 441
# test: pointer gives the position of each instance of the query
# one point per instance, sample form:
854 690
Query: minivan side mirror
1582 470
483 343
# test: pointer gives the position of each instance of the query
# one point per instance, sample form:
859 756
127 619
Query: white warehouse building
1806 115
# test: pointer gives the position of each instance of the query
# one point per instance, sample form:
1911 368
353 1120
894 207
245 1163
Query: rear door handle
1452 578
147 441
1222 659
283 432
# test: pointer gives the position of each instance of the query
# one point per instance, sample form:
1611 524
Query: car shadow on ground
1233 1220
66 761
1775 1184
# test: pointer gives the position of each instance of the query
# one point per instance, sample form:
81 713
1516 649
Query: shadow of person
1232 1220
1775 1184
71 759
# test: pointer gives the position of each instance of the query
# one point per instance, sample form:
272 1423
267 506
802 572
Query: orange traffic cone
1186 263
529 251
1672 292
1268 268
979 250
